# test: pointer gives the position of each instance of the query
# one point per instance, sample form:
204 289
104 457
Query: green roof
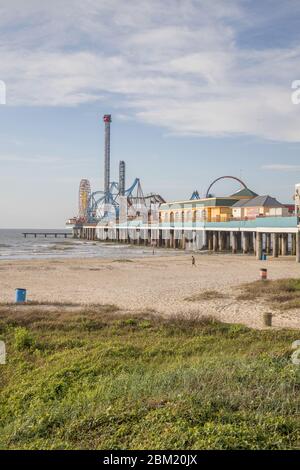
244 192
209 202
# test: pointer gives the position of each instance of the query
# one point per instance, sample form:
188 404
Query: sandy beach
157 284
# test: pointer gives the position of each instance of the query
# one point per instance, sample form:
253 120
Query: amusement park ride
99 206
104 205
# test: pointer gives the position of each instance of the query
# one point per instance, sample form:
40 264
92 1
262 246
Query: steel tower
122 178
107 121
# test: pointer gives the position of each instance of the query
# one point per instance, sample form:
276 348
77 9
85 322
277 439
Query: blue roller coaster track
96 210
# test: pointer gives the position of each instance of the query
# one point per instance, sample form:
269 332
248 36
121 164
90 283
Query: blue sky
196 89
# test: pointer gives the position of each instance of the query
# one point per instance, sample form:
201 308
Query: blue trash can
20 295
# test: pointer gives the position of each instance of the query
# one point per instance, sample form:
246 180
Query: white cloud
173 64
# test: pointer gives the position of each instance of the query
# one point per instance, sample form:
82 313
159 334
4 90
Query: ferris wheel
84 197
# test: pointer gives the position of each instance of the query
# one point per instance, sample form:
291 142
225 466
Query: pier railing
47 234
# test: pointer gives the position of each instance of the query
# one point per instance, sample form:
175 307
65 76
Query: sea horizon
14 246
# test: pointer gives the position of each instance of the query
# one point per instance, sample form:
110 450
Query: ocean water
13 245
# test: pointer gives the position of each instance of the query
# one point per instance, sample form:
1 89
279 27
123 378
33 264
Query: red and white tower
107 121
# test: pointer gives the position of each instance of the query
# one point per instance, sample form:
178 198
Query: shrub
23 339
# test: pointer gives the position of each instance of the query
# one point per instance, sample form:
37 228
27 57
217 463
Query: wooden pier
270 236
47 234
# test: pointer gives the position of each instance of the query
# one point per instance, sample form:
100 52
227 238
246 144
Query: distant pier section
47 234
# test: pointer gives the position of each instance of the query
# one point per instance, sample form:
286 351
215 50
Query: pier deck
47 234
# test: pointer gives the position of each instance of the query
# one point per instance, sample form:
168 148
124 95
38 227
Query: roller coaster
98 206
208 195
195 195
101 204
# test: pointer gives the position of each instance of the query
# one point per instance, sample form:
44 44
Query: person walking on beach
193 261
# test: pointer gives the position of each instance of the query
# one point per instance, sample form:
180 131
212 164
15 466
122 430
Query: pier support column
160 237
205 240
171 238
227 241
275 245
234 242
294 244
245 236
174 240
254 242
222 240
194 240
258 245
210 241
183 240
284 244
239 241
215 241
279 244
298 247
268 243
250 242
165 239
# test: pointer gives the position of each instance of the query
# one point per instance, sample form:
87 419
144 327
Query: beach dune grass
206 295
281 294
102 380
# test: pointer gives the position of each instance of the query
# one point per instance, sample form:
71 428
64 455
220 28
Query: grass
46 303
41 303
100 380
122 260
280 294
206 295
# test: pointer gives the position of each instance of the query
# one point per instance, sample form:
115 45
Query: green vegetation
206 295
99 380
122 260
281 294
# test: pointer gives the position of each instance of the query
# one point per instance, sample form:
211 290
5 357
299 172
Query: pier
47 234
273 236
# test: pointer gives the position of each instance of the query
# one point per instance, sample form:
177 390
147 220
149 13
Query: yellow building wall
210 214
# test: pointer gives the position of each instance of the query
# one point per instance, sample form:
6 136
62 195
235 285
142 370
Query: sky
197 89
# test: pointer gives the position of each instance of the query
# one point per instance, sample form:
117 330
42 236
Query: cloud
281 167
174 64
